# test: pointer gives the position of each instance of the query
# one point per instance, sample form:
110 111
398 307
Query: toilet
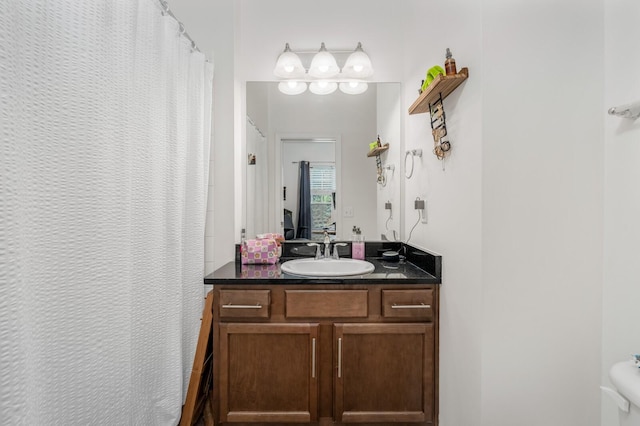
625 377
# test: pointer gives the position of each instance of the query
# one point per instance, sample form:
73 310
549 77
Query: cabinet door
384 373
268 373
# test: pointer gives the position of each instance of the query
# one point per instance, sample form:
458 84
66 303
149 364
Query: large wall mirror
325 139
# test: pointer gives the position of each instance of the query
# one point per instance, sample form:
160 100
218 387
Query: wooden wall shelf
378 151
444 84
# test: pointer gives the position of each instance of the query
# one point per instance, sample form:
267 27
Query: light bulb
358 64
288 65
292 87
323 87
323 64
354 87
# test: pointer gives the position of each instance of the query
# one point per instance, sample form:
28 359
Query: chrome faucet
327 248
327 245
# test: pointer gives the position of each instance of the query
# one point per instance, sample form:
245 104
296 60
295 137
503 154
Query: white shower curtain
105 128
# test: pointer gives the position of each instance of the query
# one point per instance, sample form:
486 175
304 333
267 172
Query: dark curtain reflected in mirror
304 202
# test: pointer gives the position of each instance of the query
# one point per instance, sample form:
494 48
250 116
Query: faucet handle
318 251
335 249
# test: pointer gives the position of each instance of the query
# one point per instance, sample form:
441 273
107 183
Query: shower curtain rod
167 11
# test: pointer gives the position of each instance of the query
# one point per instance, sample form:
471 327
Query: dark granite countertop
419 267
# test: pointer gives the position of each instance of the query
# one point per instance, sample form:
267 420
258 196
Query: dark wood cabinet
325 354
268 372
385 373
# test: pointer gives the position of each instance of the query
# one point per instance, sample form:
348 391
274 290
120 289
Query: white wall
390 116
453 195
268 25
621 290
518 211
255 220
256 176
542 201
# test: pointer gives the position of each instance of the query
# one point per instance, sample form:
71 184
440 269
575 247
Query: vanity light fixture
289 65
324 64
358 64
323 76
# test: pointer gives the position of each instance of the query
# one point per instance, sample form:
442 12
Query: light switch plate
348 212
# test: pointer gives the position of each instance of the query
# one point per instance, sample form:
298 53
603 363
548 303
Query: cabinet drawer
326 303
244 303
415 304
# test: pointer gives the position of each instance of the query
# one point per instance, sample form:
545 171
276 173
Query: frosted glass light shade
358 64
292 87
354 87
288 65
323 87
323 64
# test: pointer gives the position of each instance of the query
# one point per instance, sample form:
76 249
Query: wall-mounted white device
421 205
626 111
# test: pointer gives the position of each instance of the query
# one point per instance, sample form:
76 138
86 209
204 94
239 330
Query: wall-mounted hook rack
376 153
430 100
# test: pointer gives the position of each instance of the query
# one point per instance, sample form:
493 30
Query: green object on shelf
373 145
432 73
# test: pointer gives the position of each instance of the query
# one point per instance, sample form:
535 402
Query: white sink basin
327 267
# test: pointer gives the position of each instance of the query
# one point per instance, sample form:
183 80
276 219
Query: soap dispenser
450 64
357 246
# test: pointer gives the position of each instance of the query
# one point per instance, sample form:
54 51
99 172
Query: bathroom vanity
327 351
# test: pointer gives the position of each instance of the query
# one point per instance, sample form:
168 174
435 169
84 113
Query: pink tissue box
260 251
